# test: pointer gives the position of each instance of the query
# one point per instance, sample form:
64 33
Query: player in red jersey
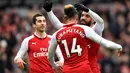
36 46
72 40
87 16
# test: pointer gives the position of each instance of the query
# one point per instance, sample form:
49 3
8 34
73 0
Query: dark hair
34 18
70 11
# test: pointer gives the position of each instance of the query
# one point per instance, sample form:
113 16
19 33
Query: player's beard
41 29
83 22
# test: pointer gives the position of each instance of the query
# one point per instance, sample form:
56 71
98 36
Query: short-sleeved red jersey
72 42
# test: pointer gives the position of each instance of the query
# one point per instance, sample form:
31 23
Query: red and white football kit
37 49
93 47
92 56
72 40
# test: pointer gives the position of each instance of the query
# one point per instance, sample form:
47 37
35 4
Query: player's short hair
34 18
70 11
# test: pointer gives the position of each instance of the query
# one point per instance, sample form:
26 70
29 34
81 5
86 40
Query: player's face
40 24
85 19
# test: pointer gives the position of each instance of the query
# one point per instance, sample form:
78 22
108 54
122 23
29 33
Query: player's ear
77 17
33 25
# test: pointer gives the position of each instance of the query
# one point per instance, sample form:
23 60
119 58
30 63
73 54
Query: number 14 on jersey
73 49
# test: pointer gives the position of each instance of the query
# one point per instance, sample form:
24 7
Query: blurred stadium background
15 25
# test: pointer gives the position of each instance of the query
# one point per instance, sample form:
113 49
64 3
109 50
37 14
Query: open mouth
83 22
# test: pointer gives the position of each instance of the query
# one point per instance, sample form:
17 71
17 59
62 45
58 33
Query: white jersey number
73 50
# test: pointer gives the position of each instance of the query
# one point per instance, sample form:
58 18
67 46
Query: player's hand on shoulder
47 5
20 63
79 6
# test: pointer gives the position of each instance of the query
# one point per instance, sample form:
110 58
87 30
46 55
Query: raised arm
54 20
99 26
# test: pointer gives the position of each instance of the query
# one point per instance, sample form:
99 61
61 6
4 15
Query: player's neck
71 22
40 35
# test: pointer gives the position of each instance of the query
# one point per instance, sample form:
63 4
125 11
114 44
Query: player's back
72 42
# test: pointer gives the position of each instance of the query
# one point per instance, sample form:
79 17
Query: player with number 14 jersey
74 50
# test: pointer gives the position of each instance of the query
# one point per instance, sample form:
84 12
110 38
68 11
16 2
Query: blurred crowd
16 24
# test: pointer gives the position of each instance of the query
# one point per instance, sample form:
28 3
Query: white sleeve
23 49
52 50
59 54
99 25
98 39
54 20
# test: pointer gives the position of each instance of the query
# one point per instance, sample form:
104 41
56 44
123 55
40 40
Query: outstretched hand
79 6
47 5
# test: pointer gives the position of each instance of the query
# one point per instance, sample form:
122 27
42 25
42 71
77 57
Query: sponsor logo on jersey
44 52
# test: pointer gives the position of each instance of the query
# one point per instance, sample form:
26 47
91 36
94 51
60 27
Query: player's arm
99 26
51 53
91 34
60 56
54 20
18 58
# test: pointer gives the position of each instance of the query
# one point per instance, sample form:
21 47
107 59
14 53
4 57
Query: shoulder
57 33
59 30
87 30
25 42
82 26
49 36
28 38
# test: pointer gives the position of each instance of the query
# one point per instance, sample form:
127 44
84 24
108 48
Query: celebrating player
73 36
86 18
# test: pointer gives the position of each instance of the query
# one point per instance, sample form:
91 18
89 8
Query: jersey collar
39 36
